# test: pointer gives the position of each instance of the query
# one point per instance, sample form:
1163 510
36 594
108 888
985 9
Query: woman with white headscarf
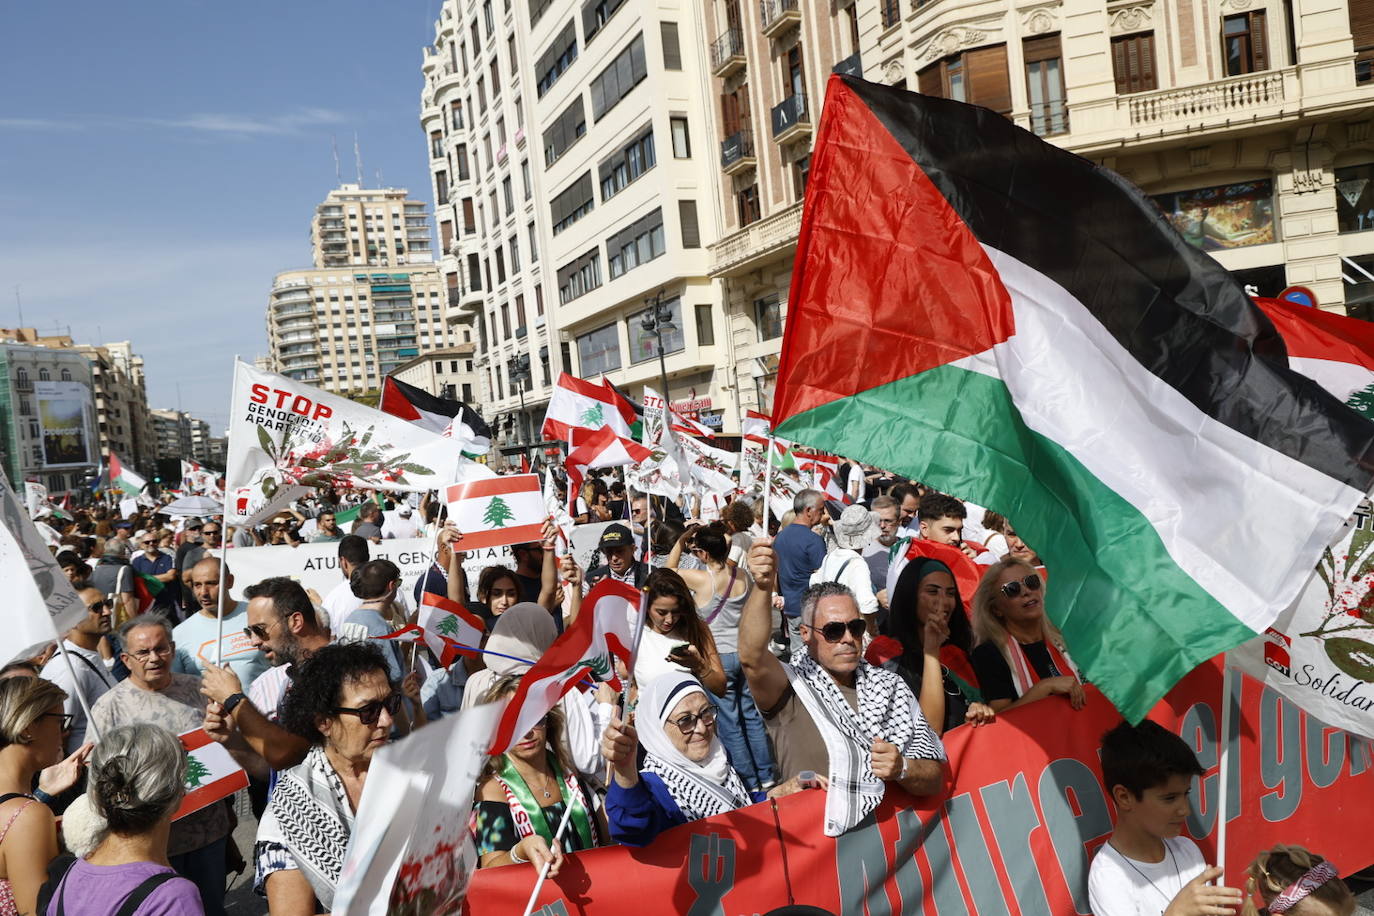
686 774
517 639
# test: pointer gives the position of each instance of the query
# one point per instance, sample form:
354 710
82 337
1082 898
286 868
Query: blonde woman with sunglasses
1018 655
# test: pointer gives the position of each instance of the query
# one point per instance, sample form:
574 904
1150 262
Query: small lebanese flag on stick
211 774
602 633
498 511
755 424
583 406
445 622
600 449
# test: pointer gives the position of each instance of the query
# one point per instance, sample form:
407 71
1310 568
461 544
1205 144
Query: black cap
616 536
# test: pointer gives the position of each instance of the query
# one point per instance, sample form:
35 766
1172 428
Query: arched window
21 375
44 375
66 375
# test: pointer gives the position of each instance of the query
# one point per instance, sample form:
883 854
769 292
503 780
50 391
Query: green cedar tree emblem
195 772
498 513
593 417
448 626
1363 401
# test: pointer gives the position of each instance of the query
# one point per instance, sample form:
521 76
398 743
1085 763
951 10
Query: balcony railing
755 243
852 65
1235 95
778 15
737 151
790 117
1049 118
727 52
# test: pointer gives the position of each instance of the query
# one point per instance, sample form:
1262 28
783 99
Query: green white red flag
43 605
498 511
123 477
1336 351
1022 328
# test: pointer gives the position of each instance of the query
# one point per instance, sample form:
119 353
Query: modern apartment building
574 186
1248 122
47 415
181 436
372 299
447 372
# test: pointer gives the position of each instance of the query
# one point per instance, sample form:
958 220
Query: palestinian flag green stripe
976 442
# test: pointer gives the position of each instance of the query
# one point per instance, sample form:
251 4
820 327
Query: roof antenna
358 158
334 145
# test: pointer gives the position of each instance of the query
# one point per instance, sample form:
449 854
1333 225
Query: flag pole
768 483
76 687
1226 768
544 870
224 528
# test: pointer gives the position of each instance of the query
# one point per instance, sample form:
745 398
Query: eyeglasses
256 629
95 607
369 714
211 534
834 630
687 723
144 654
1030 583
66 718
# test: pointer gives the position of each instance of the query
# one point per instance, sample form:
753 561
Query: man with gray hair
826 709
801 552
153 694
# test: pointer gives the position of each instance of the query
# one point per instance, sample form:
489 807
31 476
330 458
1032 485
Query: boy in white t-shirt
1147 867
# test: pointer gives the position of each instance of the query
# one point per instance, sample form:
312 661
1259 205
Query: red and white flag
604 631
578 407
446 623
599 449
211 774
1335 351
756 424
497 511
821 472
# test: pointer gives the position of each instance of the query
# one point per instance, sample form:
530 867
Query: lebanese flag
578 407
602 633
444 623
449 418
600 449
211 774
756 424
123 477
497 511
1023 329
1335 350
823 472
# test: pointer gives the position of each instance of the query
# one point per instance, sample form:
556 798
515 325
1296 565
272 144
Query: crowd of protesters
827 650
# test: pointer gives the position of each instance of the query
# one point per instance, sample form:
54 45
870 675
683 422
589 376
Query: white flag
285 437
662 474
710 466
43 606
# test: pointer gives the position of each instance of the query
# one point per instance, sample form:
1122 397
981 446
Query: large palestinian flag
1012 324
445 416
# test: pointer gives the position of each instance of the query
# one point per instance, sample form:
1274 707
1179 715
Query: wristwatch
231 702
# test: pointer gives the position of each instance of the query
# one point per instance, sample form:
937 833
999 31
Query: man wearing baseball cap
617 546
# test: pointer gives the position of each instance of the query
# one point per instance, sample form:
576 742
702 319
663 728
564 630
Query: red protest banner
1014 835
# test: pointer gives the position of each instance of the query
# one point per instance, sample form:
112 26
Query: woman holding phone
675 638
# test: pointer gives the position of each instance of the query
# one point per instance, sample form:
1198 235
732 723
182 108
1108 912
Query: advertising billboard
63 420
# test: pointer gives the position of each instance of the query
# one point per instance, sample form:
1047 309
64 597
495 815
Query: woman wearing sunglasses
342 702
927 618
686 774
1019 655
524 793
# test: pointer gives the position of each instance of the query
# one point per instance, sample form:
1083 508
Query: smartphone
678 652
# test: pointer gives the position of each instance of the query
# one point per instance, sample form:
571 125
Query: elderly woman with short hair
342 701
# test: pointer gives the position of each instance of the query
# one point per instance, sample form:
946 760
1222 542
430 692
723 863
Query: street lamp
519 376
657 319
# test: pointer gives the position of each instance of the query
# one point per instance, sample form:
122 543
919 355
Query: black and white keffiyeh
700 789
310 817
887 710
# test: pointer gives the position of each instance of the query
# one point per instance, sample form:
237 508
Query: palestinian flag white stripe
498 511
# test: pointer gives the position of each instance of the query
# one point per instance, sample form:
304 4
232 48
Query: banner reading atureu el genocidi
1014 834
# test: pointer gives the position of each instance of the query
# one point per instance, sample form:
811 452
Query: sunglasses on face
687 722
95 607
834 630
256 629
1013 588
66 718
370 713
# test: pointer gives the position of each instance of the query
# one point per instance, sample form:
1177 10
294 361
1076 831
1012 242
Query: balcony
852 65
791 119
737 152
502 155
727 53
760 241
1224 99
778 16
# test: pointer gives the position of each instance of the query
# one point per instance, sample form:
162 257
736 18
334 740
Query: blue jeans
205 868
741 727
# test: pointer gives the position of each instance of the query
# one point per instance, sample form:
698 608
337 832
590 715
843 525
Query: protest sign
584 541
1023 816
497 512
317 565
211 774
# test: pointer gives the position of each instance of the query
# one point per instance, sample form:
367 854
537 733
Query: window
436 145
474 272
520 314
508 193
515 254
595 14
682 140
501 130
555 61
1226 216
460 155
469 216
569 127
456 114
801 170
537 10
445 234
598 351
1045 85
672 50
627 165
573 204
640 242
1362 31
768 317
66 375
441 187
706 329
978 76
534 247
525 178
1355 198
505 320
748 201
539 301
487 18
481 95
510 56
500 265
644 344
1244 44
44 375
1133 62
579 276
892 12
687 221
620 76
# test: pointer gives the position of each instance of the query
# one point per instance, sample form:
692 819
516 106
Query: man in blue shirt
158 565
800 552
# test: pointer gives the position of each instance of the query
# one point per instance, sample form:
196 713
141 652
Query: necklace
544 790
1168 898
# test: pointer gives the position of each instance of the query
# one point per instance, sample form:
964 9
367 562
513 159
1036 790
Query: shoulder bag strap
141 893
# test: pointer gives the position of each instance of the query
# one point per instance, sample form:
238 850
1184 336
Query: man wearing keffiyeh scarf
827 710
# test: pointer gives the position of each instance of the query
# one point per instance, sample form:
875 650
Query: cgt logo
1276 647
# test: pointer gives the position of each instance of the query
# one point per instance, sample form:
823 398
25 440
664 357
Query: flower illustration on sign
1349 578
355 460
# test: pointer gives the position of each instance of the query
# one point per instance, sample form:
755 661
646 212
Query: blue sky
160 161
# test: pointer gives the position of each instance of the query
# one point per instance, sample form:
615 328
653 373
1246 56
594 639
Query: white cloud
220 123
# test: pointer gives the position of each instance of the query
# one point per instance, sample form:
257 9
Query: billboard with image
63 420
